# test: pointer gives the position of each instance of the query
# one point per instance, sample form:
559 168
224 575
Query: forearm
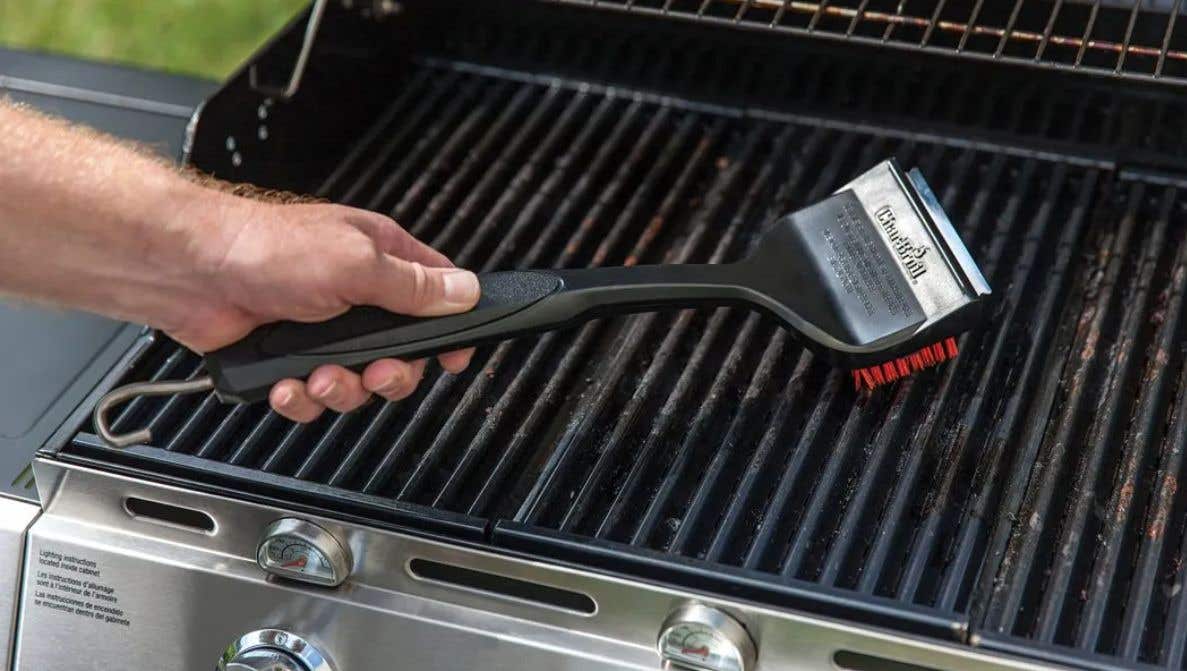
88 222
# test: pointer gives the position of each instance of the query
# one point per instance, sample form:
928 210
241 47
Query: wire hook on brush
130 391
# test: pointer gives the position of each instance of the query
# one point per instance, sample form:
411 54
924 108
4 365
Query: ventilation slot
169 515
502 586
855 661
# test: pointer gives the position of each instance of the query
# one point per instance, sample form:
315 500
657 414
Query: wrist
188 231
184 230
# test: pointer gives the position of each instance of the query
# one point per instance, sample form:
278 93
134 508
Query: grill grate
1025 492
1135 39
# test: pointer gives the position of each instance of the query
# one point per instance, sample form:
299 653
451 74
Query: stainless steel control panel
104 588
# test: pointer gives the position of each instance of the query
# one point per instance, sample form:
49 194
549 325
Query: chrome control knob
701 638
272 650
264 659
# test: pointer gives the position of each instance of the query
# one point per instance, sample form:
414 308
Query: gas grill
694 476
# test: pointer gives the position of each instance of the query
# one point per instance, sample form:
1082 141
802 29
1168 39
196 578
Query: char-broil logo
908 252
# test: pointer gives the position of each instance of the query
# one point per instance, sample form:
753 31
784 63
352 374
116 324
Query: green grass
198 37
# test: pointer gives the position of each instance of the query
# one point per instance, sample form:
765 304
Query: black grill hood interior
1022 498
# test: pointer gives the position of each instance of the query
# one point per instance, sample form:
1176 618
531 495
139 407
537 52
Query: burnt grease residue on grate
1029 487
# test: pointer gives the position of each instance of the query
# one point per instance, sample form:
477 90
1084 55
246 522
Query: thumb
411 288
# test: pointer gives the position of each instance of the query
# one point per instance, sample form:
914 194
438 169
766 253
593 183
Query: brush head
874 277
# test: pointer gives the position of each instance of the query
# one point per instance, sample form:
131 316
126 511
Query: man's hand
266 262
90 223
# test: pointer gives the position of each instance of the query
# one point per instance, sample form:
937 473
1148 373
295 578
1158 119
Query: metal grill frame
237 111
856 21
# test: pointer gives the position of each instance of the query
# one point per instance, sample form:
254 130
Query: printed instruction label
861 264
74 585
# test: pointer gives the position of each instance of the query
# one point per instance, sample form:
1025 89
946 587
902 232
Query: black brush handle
513 303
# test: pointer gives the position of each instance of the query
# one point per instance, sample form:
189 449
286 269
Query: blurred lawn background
208 38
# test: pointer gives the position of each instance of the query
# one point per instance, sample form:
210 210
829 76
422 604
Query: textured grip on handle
246 370
512 304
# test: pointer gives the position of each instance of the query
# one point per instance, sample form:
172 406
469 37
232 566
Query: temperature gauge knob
700 638
300 550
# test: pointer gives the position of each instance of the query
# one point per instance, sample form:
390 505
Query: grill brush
873 278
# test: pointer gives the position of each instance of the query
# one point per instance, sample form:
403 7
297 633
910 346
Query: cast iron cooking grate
1025 493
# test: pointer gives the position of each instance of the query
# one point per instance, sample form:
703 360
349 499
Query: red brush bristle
868 378
871 377
950 343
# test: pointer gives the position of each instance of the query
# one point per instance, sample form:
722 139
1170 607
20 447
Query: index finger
394 240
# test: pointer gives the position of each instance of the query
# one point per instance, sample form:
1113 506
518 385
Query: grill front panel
1025 492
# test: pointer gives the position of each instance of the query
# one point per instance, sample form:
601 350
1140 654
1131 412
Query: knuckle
351 267
420 285
361 253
